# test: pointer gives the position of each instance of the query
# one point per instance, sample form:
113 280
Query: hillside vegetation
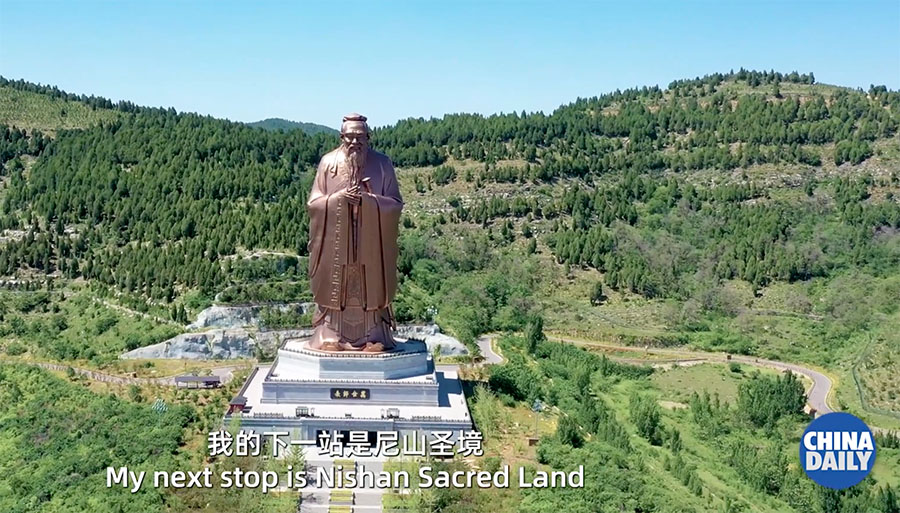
58 440
747 212
287 125
29 111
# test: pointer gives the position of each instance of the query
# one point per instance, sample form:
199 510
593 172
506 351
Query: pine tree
568 433
597 293
534 333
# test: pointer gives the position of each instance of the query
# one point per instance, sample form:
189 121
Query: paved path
129 311
817 397
487 351
315 497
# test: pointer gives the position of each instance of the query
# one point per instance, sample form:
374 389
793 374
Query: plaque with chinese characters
349 393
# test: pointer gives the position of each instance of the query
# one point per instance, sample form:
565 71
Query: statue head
355 134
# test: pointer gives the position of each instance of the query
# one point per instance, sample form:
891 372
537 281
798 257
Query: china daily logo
837 450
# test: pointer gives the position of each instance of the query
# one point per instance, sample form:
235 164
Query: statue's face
355 137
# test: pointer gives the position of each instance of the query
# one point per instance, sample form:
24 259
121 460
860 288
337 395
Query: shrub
15 349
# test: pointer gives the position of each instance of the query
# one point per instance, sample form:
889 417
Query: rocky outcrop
226 317
240 316
224 344
433 338
209 345
269 341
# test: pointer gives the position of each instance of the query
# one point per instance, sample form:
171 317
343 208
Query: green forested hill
185 190
749 212
721 121
28 106
28 110
288 125
648 186
142 186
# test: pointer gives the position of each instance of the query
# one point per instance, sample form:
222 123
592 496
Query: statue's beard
356 160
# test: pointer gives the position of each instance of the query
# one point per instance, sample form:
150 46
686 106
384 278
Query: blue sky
315 61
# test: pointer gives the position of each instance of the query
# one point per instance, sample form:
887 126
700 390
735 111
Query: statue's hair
354 118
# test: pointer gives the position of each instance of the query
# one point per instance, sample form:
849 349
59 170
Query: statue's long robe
330 248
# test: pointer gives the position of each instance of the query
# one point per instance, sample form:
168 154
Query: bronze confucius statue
354 215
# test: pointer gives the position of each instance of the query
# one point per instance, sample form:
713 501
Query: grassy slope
58 439
30 111
56 463
75 317
679 383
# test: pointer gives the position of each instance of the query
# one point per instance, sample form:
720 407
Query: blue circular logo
837 450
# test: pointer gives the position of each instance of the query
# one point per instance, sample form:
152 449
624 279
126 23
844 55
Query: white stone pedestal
307 391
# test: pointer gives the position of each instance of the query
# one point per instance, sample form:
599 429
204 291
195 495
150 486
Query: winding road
817 395
485 344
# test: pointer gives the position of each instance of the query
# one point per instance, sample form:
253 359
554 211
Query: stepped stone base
296 361
306 391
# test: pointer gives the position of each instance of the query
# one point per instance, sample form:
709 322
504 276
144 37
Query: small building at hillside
188 381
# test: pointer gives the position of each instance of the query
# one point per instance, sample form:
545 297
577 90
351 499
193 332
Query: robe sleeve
328 239
381 219
317 205
389 187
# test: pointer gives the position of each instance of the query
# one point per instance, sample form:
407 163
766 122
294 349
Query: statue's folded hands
352 195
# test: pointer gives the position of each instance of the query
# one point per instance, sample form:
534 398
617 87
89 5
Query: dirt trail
226 373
